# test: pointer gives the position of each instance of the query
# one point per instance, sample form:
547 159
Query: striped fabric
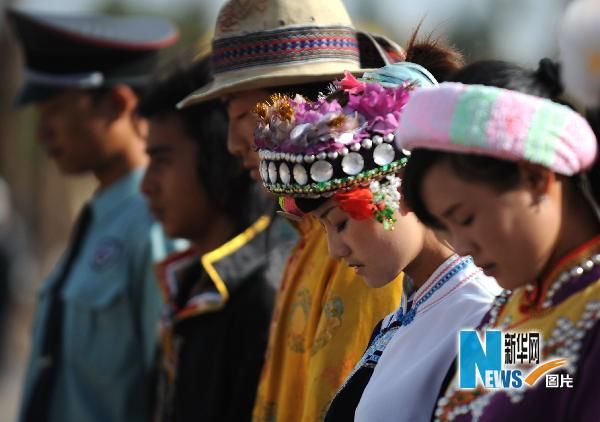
497 122
283 46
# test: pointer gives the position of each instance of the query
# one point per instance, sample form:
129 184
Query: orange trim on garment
575 255
190 310
524 320
572 258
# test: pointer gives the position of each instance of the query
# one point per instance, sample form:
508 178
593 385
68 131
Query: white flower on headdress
386 197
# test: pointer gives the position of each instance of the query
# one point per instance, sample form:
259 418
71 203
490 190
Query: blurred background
37 205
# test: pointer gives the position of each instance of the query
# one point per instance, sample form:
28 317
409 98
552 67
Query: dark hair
228 187
543 82
501 175
437 57
593 117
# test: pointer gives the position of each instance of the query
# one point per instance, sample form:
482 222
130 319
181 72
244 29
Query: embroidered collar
573 272
564 318
216 274
444 273
421 300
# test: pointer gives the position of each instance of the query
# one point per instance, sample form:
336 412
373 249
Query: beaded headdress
342 142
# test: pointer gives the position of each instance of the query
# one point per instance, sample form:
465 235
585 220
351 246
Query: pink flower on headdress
384 124
350 84
313 112
316 125
380 106
297 125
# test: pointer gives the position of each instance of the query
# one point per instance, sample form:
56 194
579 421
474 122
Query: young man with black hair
219 293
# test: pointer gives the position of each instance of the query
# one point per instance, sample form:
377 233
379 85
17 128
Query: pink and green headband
497 122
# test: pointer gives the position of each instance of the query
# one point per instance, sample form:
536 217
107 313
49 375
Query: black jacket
216 324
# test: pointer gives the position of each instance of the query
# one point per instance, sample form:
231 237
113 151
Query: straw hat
270 43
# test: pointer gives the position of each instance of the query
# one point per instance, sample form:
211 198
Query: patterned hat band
285 46
322 174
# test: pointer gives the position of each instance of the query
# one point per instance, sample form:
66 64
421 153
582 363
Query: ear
404 208
119 102
537 178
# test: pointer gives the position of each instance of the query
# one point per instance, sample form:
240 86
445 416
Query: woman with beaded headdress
336 159
507 177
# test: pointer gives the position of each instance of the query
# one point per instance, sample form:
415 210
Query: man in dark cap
94 335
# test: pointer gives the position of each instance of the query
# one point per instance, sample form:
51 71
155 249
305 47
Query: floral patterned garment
566 311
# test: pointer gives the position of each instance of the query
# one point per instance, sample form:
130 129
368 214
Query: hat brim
373 49
239 81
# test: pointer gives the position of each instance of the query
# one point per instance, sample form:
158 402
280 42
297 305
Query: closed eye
339 227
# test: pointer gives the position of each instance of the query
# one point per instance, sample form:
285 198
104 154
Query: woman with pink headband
336 160
505 177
